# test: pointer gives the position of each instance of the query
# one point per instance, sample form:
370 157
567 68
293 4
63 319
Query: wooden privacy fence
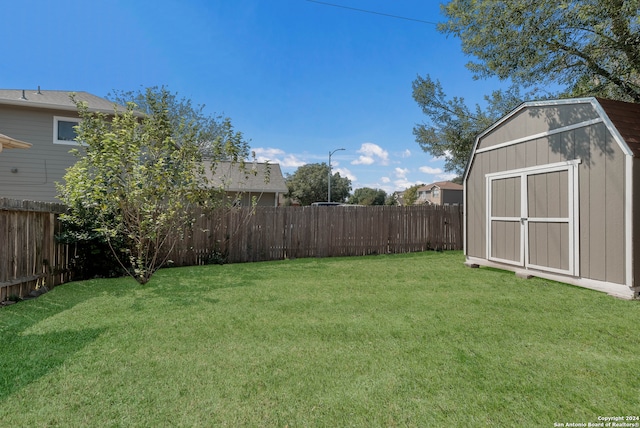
30 257
275 233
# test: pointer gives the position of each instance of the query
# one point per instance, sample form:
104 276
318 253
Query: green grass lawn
401 340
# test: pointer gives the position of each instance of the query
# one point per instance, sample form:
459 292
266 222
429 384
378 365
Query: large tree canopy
590 47
309 184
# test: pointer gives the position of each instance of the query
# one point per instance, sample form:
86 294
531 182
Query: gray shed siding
635 260
600 178
39 167
548 242
536 120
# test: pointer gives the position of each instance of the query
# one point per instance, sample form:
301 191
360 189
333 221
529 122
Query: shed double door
532 217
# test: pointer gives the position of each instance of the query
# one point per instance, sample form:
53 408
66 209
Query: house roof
54 100
626 118
7 142
254 179
445 185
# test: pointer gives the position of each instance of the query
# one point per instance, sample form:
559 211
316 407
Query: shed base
616 290
524 274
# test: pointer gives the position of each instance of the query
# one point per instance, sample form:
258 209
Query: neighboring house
261 181
553 190
398 196
441 193
44 119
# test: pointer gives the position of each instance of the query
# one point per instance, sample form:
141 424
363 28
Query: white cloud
344 172
429 170
278 156
406 153
291 161
363 160
446 176
403 183
267 153
401 172
371 153
386 180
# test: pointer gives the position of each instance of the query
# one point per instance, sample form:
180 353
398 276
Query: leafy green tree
135 182
309 184
590 47
411 195
368 196
214 135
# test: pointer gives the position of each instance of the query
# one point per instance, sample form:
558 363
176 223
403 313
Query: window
63 130
435 192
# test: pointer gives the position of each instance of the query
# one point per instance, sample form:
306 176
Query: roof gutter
29 103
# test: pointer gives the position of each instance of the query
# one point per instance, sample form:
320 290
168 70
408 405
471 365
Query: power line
373 12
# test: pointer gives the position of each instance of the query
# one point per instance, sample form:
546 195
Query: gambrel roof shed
550 191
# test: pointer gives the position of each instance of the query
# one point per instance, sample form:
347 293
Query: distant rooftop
446 185
229 176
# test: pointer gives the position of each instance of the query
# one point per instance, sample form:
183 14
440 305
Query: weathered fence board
29 255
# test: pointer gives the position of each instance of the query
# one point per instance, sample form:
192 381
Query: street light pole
329 181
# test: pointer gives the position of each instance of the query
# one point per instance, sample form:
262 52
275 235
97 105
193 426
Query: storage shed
553 190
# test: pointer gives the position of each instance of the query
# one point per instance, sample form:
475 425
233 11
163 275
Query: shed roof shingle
626 118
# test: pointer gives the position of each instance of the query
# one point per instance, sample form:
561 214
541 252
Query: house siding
266 199
41 166
451 196
601 178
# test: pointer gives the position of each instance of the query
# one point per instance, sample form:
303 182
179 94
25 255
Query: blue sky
298 78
